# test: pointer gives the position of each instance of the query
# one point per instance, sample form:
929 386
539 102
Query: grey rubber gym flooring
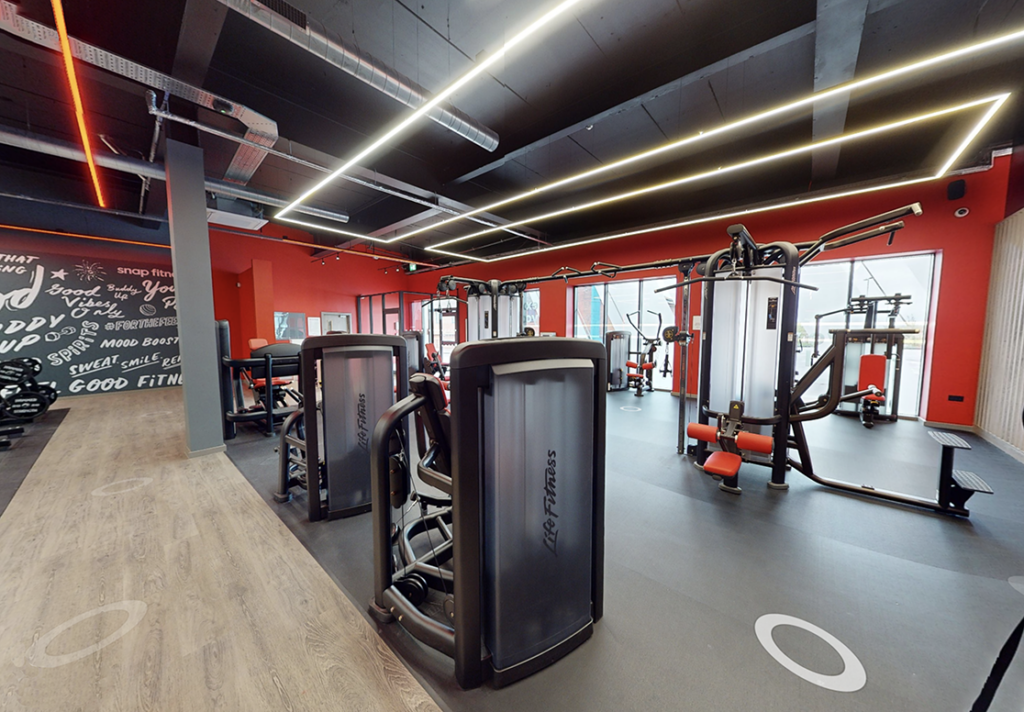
17 460
922 600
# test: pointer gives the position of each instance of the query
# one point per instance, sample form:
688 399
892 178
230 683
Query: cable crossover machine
747 368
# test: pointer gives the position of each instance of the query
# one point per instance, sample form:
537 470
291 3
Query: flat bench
955 486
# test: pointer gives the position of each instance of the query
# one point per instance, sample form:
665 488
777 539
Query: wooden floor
134 579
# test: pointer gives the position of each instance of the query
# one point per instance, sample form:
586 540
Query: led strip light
76 97
419 113
756 118
911 68
996 101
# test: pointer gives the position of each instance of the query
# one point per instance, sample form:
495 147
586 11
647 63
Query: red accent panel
725 464
707 433
755 442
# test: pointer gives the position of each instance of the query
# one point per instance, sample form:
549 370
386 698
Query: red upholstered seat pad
262 382
647 366
725 464
871 373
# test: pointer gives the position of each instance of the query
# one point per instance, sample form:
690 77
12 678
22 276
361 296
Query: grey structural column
193 286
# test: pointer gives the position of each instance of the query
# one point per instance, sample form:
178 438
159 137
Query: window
624 306
589 312
838 282
290 326
531 310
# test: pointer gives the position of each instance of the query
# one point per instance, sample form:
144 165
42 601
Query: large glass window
624 306
589 312
838 282
531 309
659 310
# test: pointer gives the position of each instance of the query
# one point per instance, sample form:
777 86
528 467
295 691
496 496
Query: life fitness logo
550 493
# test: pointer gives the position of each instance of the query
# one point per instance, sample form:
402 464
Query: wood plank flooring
134 579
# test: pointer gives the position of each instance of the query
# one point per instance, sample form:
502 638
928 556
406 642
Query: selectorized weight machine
748 350
511 553
640 375
347 382
863 364
494 308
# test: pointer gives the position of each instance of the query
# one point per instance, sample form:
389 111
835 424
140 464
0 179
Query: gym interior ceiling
604 81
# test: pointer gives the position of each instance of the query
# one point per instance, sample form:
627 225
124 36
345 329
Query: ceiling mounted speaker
956 189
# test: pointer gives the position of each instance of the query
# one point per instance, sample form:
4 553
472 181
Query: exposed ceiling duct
260 129
135 166
434 203
364 68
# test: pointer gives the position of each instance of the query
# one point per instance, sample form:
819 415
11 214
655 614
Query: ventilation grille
292 14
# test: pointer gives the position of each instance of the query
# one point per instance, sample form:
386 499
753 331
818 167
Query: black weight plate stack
25 405
14 373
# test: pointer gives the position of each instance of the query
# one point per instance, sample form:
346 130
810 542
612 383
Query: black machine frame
232 400
471 375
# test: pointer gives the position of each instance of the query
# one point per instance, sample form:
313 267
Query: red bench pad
725 464
871 373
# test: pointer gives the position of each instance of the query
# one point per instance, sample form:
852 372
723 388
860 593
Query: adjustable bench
955 486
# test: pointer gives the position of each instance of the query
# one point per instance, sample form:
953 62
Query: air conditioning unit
232 212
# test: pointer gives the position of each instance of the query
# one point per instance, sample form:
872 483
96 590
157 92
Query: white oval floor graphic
852 678
1018 583
128 485
630 409
37 656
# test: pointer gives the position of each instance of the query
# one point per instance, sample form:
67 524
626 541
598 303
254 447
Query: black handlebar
629 318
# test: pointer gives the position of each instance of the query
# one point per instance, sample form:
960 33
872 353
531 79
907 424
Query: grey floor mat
922 599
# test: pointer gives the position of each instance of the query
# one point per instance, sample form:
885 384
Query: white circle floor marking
36 656
630 408
1018 583
139 482
852 678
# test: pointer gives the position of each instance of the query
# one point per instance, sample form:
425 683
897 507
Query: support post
193 288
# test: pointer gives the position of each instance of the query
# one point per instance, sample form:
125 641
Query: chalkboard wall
97 325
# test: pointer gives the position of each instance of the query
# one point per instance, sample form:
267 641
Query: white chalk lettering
103 385
23 298
100 364
160 379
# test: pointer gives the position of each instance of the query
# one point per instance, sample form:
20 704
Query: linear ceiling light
448 91
756 118
76 97
996 101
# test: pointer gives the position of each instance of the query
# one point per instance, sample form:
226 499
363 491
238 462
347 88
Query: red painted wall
300 284
958 315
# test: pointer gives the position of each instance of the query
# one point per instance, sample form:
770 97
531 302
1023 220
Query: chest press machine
748 351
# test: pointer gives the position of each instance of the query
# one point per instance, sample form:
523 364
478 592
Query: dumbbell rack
29 399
